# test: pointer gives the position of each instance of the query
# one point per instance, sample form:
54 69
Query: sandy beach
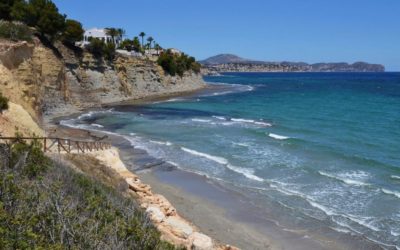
226 216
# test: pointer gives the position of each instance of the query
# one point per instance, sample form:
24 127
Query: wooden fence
60 145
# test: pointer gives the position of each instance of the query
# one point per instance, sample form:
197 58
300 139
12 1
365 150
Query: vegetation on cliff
3 103
47 205
15 31
44 16
101 49
177 64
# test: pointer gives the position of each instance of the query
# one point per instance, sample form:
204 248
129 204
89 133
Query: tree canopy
73 31
178 64
41 14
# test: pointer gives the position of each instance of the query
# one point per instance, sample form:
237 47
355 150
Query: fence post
44 145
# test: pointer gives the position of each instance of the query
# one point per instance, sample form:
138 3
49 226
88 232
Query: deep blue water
325 147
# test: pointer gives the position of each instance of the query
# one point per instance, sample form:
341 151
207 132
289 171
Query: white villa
97 33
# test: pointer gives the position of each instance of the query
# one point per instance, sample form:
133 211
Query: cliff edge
51 81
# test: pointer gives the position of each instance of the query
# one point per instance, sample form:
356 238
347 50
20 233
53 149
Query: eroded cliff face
58 81
28 72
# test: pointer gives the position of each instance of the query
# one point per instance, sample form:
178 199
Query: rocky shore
109 167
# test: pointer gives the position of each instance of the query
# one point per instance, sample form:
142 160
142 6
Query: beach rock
138 187
200 241
168 209
179 227
167 235
155 214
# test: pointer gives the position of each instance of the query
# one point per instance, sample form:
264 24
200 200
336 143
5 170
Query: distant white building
153 52
99 34
175 51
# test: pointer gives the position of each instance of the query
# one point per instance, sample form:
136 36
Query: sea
323 148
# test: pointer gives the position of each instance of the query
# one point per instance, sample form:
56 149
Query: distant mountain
226 58
234 63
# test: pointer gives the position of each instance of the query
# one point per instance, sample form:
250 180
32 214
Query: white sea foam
341 230
132 134
241 120
86 115
201 120
395 193
326 210
395 234
169 100
363 221
266 124
161 142
278 137
217 159
234 88
344 179
246 172
97 125
396 177
174 164
219 117
241 144
91 113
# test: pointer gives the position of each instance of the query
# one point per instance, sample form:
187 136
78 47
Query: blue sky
294 30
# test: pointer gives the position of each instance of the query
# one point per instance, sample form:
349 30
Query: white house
99 34
175 51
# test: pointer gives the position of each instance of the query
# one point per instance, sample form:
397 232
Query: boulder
168 209
155 214
200 241
179 227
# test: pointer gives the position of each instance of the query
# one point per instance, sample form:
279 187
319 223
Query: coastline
209 206
220 213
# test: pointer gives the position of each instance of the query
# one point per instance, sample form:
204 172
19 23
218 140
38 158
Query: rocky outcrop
59 81
172 226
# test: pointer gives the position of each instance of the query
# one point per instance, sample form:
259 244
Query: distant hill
226 58
234 63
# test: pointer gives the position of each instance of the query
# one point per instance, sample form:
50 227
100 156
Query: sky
286 30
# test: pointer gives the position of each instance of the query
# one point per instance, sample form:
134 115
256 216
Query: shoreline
220 213
213 216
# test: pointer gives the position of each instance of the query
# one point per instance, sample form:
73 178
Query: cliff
232 63
49 81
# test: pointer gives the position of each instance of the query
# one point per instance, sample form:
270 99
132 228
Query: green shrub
3 103
173 63
73 32
41 14
101 49
58 208
15 31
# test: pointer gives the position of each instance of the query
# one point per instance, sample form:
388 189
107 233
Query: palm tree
113 32
157 47
121 33
142 35
150 40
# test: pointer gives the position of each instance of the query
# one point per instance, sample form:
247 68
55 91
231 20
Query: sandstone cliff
57 80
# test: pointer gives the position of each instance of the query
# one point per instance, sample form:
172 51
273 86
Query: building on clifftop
99 34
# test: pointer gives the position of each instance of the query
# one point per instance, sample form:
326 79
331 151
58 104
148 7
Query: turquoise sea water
322 147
